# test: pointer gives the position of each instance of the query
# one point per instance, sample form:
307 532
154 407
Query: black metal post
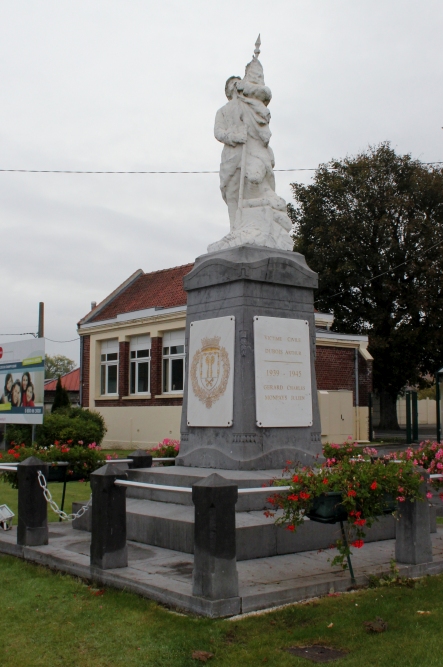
408 418
65 468
345 542
414 401
32 530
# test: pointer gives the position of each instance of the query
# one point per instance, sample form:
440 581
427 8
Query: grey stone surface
413 539
32 507
215 564
108 536
185 477
247 281
165 576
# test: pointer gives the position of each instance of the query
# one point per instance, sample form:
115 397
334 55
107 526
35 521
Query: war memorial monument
250 400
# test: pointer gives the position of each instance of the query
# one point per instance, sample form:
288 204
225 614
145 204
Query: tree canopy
58 365
371 225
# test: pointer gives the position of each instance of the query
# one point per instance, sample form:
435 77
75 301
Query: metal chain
53 505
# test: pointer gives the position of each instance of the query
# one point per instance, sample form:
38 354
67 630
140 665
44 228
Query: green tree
58 365
371 225
61 397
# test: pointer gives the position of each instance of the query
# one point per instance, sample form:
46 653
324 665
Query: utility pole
41 320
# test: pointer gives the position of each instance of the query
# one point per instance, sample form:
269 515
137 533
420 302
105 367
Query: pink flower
108 457
429 495
401 499
80 442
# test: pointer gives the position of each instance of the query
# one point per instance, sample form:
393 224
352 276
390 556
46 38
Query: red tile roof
70 381
159 288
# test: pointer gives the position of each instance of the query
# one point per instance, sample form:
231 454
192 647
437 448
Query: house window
109 367
173 361
140 369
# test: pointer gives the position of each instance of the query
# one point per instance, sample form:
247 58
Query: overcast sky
135 85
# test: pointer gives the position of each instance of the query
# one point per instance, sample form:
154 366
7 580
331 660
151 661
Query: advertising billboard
22 382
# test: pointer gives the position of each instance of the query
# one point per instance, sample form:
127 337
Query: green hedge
73 424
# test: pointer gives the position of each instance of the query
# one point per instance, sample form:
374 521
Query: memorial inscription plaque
282 372
211 372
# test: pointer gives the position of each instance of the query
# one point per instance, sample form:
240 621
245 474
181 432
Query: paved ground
166 576
425 432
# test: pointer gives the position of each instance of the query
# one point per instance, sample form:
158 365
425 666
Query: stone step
186 477
171 526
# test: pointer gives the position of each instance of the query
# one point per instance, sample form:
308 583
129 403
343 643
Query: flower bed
82 459
165 449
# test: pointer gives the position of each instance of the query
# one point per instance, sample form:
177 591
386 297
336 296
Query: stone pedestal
245 282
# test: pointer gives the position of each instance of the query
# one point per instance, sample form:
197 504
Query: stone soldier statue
257 214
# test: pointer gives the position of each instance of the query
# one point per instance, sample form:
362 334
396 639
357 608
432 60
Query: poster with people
22 382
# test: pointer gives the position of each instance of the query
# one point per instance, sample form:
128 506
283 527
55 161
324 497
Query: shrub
20 433
73 424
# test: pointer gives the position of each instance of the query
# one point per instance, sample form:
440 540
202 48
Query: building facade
133 364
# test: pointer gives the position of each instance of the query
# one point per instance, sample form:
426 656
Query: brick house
132 364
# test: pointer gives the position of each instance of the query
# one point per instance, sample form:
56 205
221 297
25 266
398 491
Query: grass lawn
53 619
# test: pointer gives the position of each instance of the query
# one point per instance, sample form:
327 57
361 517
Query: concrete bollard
413 531
108 539
32 530
215 564
140 459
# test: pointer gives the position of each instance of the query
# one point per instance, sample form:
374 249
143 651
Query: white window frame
171 340
109 357
139 345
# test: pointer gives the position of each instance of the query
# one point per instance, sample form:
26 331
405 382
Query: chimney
93 304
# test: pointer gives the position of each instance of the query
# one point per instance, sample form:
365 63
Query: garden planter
327 508
59 474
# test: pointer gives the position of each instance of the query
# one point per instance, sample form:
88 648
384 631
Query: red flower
16 455
11 451
360 522
325 481
295 478
304 496
358 544
293 497
374 485
271 500
352 493
69 442
291 527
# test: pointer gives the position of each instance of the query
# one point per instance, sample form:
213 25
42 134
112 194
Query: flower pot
390 503
327 508
60 473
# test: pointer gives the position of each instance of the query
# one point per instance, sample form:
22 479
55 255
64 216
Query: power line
63 341
370 280
30 333
78 171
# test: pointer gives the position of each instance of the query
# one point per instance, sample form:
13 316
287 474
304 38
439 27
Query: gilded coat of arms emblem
210 370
